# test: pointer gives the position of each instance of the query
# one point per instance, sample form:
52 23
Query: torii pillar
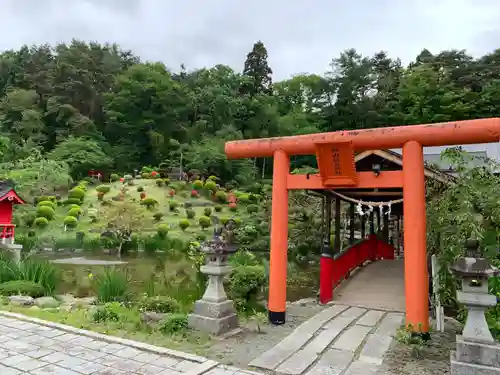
412 139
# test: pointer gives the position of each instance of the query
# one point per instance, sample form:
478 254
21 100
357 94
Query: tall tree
258 71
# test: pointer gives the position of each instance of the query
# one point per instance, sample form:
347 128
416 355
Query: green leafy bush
244 198
197 184
114 177
252 208
140 189
221 196
150 203
159 304
190 214
158 216
112 286
246 282
159 182
173 205
174 323
184 224
166 181
70 221
71 201
47 203
218 208
22 287
204 222
76 212
210 185
41 222
110 312
162 230
46 212
128 177
74 206
188 204
77 193
207 211
145 175
103 189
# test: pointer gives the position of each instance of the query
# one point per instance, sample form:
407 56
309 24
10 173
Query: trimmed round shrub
74 206
246 281
46 212
41 222
252 208
204 222
128 177
114 177
140 189
174 323
22 287
173 205
103 189
72 201
218 208
75 212
207 211
184 224
162 230
210 185
213 178
188 205
159 182
41 199
159 304
244 198
197 184
77 192
145 175
149 203
166 181
190 214
221 196
158 216
47 203
70 221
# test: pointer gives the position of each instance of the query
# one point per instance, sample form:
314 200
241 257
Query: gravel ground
241 349
434 359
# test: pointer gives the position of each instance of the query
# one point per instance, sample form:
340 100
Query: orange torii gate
335 156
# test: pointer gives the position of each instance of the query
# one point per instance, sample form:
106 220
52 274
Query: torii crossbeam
335 154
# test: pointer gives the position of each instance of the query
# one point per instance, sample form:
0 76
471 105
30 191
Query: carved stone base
216 318
473 358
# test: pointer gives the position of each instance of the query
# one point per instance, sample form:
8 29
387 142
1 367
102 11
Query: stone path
32 346
340 340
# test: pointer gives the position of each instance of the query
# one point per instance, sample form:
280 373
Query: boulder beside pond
46 302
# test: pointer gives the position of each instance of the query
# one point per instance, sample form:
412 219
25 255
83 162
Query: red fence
333 270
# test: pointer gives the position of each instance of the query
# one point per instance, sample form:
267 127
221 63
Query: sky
301 36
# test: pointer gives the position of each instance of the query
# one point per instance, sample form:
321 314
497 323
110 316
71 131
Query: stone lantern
476 346
214 312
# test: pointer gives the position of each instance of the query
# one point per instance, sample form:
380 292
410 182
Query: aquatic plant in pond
112 286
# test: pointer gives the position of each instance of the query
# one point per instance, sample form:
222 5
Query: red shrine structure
336 154
8 198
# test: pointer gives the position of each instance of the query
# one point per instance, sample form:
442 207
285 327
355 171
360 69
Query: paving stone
352 338
362 368
350 315
299 337
149 370
333 362
30 364
390 323
371 318
375 348
52 370
14 360
4 370
88 368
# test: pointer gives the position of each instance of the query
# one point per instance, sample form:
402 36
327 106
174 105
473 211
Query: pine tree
258 71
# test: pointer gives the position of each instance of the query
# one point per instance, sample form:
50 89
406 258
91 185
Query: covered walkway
379 285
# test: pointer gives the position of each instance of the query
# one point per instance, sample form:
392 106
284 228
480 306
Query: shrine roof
8 192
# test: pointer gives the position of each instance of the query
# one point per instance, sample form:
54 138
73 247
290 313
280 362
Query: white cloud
301 36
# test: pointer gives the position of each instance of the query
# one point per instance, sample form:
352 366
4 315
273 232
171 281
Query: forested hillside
98 106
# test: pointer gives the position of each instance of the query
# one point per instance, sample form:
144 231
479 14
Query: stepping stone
361 368
390 323
297 339
352 338
333 362
375 348
371 318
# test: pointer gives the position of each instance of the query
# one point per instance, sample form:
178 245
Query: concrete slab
352 338
375 348
333 362
371 318
361 368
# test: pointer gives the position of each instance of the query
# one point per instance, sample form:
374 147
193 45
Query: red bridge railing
334 269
